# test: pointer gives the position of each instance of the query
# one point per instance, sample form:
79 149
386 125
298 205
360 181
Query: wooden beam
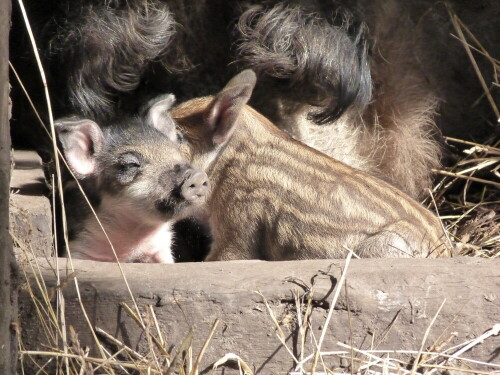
8 297
387 304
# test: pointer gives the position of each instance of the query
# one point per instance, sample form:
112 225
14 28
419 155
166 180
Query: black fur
315 62
106 51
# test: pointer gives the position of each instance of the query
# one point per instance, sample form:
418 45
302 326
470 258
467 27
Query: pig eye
129 167
129 162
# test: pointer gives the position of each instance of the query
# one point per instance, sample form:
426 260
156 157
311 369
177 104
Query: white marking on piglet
135 235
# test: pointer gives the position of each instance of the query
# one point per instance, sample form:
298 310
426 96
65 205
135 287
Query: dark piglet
136 179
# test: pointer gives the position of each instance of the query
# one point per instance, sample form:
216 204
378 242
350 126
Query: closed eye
129 166
129 161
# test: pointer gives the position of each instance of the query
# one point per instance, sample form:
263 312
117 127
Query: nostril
195 185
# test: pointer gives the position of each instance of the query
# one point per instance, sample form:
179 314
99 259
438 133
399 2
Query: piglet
137 180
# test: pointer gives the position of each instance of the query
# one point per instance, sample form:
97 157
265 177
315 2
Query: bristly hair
317 61
108 49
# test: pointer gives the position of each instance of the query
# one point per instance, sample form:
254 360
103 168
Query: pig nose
195 186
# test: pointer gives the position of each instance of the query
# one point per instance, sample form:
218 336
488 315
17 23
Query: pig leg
395 241
230 242
218 253
232 249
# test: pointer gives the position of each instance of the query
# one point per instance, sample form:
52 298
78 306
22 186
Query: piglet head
136 164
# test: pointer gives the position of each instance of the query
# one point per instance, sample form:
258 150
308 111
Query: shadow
324 302
121 328
296 339
24 164
274 353
317 302
494 355
32 188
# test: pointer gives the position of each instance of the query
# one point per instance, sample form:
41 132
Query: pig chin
177 208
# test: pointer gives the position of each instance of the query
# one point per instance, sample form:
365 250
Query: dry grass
467 197
468 192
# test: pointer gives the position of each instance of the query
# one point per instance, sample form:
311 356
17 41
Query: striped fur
275 198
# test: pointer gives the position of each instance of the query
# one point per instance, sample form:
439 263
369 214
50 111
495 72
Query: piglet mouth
192 191
176 204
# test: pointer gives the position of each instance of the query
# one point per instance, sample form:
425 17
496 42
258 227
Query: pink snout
195 185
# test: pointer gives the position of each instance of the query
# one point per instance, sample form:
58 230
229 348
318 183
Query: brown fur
276 199
394 137
402 134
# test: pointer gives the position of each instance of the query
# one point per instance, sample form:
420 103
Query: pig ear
227 105
81 140
158 116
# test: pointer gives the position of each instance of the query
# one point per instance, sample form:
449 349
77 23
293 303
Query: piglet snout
195 185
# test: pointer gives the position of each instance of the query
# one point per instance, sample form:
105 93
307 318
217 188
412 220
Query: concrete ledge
30 212
391 303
